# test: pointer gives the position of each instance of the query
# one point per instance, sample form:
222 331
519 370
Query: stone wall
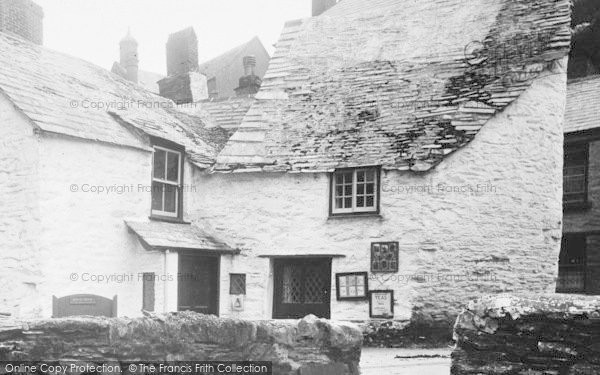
23 18
310 346
528 335
455 243
19 219
87 190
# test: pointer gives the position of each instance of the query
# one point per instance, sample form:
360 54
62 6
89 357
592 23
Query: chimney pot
249 65
250 82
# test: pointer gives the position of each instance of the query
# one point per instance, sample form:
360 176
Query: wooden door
198 284
302 287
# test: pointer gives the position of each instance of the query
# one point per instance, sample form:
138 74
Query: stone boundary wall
308 346
405 334
540 335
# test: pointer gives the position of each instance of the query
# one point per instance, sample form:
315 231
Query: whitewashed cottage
400 159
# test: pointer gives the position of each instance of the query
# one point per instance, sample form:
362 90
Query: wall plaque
83 304
384 257
381 304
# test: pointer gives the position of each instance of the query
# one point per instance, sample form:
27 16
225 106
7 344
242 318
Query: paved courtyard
376 361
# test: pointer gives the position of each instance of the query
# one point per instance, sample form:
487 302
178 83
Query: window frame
355 211
586 149
363 275
168 147
232 285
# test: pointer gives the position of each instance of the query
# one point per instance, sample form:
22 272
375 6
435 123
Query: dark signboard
83 304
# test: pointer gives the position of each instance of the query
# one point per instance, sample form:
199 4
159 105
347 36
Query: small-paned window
355 191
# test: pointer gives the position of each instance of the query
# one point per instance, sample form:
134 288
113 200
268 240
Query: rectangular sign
381 304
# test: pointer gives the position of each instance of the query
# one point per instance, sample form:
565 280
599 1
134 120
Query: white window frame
167 182
354 209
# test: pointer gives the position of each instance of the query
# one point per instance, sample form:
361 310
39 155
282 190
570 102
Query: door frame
195 254
277 288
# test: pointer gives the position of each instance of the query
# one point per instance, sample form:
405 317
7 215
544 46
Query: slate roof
225 113
583 104
228 67
400 83
149 80
158 235
57 93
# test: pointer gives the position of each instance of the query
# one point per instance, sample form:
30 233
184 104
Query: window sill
366 215
583 206
168 219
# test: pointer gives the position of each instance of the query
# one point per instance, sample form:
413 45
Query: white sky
92 29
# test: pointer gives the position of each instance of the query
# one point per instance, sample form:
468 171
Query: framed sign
381 304
384 257
351 286
83 304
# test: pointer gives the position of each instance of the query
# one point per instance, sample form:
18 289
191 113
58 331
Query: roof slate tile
65 95
396 83
583 104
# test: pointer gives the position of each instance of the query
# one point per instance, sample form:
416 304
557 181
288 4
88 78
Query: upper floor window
575 174
167 182
355 191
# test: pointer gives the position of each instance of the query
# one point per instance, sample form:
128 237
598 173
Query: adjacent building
579 268
23 18
223 72
388 169
77 162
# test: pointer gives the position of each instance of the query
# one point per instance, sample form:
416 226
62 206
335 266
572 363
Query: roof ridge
231 51
70 96
375 90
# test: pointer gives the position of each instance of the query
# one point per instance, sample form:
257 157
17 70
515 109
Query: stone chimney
184 83
129 60
23 18
182 52
320 6
250 82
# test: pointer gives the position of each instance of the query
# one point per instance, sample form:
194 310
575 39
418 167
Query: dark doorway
302 287
198 283
572 264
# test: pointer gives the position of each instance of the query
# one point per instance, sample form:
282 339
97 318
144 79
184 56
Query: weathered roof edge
582 115
556 49
219 245
40 130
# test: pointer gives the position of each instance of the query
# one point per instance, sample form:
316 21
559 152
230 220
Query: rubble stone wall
19 221
85 244
528 335
308 346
